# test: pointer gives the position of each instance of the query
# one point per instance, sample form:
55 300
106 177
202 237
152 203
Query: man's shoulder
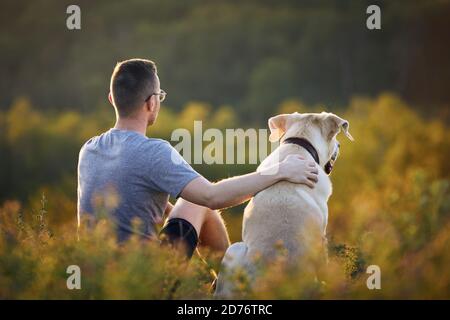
158 141
88 143
128 142
156 146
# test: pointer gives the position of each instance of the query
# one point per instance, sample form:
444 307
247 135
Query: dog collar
305 144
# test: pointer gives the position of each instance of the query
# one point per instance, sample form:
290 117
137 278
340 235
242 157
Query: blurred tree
223 51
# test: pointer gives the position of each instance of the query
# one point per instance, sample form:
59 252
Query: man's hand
298 170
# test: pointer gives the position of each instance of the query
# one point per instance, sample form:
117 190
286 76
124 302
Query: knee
214 232
190 212
212 216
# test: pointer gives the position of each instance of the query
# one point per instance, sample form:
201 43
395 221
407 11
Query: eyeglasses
162 96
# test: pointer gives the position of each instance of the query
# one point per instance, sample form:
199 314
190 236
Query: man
129 176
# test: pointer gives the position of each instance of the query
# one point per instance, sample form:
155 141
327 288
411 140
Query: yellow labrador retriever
288 215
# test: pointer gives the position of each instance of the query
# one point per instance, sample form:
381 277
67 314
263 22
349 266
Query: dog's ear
277 126
333 124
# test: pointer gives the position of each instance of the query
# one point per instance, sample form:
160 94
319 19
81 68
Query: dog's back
286 215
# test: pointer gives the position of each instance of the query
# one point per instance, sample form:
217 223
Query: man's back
124 175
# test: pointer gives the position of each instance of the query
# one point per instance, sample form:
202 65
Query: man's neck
131 124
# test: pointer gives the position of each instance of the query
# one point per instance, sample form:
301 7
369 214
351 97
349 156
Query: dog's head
320 129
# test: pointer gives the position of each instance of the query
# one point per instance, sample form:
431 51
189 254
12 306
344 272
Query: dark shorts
180 233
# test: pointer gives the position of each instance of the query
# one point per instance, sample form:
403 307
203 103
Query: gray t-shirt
127 176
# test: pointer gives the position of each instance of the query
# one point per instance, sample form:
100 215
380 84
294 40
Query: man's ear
150 104
334 124
277 126
110 98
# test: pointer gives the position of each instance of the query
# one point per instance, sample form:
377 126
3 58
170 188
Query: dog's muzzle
329 165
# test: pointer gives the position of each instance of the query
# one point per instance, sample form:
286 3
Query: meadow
390 207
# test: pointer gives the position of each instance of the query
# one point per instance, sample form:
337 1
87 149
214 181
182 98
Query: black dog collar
305 144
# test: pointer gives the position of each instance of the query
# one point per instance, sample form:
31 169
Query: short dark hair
132 82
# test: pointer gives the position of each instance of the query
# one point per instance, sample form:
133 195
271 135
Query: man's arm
233 191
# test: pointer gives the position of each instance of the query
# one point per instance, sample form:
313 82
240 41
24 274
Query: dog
289 215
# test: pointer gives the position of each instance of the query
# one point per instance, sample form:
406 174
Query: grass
390 207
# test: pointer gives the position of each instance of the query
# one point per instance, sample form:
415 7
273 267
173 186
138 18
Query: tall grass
390 207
